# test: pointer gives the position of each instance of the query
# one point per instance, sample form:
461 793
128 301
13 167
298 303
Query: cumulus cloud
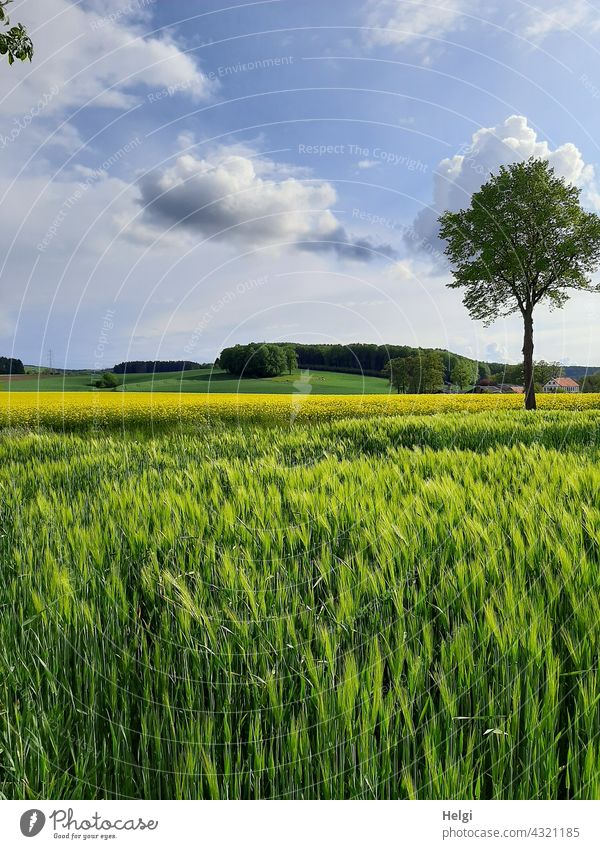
251 200
397 24
564 17
458 177
98 54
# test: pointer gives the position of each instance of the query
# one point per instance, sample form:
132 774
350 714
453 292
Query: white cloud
230 195
457 177
400 22
93 57
495 353
563 17
402 270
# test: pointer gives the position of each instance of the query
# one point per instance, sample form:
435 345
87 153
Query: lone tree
14 43
524 239
418 374
464 374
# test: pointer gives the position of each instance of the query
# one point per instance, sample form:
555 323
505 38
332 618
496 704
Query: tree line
414 370
370 358
152 366
9 365
591 383
542 372
409 369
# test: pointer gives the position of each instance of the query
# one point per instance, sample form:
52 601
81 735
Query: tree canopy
109 380
417 374
591 383
464 374
542 373
257 359
9 365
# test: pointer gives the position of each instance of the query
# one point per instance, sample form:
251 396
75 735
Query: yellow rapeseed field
26 409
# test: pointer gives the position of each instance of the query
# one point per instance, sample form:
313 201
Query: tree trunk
528 361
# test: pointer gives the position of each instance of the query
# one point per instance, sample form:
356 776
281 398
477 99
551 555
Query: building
484 390
561 384
510 389
496 389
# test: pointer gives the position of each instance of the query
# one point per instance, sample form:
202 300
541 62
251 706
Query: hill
579 372
336 378
370 359
209 380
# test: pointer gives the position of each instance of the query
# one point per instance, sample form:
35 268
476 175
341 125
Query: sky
182 176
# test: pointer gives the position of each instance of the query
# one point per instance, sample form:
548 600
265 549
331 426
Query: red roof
564 381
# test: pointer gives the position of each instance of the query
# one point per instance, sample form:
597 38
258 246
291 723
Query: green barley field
398 607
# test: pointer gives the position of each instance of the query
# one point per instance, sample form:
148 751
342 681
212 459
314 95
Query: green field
211 380
401 607
46 383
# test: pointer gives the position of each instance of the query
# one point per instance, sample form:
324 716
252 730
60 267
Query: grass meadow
210 380
341 600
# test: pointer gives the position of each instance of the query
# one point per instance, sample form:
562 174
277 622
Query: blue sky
179 176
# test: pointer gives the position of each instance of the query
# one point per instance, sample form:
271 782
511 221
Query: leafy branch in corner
14 43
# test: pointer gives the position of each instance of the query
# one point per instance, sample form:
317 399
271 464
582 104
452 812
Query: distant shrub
107 381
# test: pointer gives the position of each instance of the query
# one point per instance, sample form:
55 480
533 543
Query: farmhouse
561 384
